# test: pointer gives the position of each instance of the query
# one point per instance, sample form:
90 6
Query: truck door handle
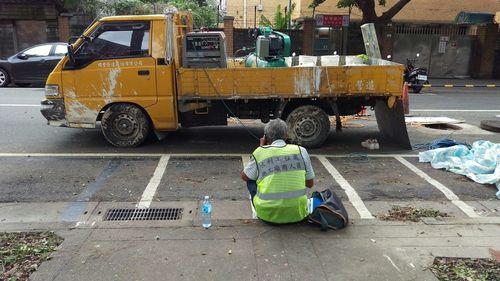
143 72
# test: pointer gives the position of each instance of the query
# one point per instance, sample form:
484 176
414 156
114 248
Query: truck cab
118 73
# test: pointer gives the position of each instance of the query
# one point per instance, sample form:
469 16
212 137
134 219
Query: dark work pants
252 188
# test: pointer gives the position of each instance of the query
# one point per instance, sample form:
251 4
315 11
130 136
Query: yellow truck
139 74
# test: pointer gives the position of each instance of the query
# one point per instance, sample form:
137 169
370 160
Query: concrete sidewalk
242 249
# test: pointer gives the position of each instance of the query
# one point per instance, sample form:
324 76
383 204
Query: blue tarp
481 163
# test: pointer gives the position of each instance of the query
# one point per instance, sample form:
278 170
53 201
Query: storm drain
151 214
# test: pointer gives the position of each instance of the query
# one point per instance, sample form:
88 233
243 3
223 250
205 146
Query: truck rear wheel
308 125
125 125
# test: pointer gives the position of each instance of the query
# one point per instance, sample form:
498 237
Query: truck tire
4 78
125 125
308 126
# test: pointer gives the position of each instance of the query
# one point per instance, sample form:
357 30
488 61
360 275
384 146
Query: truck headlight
51 90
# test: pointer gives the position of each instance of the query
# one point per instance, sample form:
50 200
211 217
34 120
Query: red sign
332 20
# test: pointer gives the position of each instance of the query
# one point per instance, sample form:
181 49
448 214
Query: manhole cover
443 126
491 125
151 214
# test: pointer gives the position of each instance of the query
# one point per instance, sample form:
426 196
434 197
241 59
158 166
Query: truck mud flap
391 122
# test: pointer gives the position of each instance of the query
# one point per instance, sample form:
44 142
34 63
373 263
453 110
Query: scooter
415 76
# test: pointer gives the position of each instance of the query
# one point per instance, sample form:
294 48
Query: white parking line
468 210
18 105
100 155
455 110
149 192
353 196
245 159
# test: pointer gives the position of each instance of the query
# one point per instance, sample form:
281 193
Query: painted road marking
456 110
426 94
458 86
75 209
103 155
245 159
353 196
468 210
18 105
150 191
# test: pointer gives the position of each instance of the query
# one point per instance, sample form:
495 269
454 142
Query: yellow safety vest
281 192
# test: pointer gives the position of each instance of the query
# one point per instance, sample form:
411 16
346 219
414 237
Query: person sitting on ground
277 176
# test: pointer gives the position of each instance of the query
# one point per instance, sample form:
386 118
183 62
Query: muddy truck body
138 74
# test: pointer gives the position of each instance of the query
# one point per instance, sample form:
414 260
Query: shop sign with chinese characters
332 20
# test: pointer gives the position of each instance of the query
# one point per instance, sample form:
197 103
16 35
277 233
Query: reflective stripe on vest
281 195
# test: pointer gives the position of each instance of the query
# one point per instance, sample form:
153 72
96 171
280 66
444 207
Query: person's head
275 130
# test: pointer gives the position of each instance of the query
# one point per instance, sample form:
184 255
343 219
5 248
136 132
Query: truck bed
379 78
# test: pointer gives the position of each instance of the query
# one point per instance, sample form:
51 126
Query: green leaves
458 269
22 252
315 3
280 20
347 3
410 213
204 14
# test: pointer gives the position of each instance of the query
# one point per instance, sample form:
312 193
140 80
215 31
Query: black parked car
32 65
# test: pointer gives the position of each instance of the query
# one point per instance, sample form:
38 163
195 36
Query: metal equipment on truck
136 74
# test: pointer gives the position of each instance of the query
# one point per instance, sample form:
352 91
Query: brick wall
496 64
63 28
7 34
308 36
483 56
30 32
24 23
34 11
229 32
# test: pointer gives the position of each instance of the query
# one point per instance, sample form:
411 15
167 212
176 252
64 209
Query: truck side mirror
71 55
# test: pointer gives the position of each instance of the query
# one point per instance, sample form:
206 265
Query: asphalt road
32 168
25 130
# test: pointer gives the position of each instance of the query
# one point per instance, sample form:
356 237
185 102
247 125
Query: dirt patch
398 213
458 269
22 252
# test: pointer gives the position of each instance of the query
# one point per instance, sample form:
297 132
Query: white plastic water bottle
206 212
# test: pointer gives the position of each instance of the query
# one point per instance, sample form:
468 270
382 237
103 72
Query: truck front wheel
308 126
125 125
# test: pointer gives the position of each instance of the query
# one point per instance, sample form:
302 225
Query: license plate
422 77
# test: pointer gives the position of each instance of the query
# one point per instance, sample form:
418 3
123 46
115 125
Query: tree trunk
389 14
369 14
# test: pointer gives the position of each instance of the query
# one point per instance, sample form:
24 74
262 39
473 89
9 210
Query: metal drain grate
151 214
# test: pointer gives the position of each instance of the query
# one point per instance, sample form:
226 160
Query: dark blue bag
331 213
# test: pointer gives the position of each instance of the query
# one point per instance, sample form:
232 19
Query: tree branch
389 14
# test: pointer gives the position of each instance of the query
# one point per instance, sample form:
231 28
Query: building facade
417 11
24 23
